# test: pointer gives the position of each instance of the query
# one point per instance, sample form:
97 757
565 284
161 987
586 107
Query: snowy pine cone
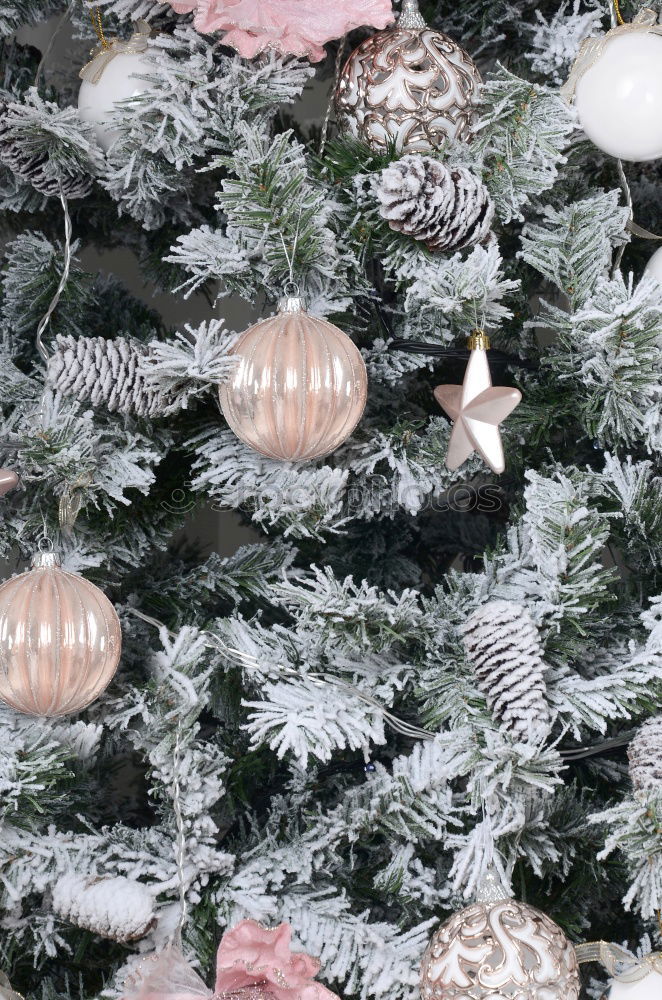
27 156
105 373
116 908
446 209
503 646
645 753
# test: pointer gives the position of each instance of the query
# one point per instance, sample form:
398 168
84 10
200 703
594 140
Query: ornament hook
180 843
46 318
45 544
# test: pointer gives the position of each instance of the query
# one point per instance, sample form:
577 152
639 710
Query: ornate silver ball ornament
502 950
408 84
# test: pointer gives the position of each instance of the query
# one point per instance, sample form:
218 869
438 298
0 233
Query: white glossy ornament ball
619 98
299 387
654 265
120 79
648 988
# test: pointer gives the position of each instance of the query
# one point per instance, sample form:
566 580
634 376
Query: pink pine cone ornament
294 27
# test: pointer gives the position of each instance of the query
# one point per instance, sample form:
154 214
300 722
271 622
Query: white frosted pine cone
447 209
116 908
645 753
105 372
503 646
31 161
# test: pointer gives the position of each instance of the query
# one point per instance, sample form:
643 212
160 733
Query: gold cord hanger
97 24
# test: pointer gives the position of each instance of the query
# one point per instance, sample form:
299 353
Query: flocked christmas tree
414 671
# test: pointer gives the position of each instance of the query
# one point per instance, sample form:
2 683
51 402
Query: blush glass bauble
648 988
8 481
60 640
120 80
619 98
299 387
654 265
502 951
414 87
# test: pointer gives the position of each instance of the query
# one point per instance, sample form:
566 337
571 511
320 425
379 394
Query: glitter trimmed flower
250 954
294 27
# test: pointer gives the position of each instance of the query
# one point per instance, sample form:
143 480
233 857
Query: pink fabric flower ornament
253 963
295 27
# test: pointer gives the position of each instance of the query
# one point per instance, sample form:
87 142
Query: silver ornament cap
410 16
291 304
490 888
45 560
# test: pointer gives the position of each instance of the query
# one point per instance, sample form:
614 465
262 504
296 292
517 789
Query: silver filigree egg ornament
409 85
499 949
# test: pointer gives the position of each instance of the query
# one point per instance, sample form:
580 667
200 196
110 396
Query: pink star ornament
477 408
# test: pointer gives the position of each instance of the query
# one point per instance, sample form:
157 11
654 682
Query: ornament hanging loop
46 318
180 842
71 502
45 545
291 288
97 24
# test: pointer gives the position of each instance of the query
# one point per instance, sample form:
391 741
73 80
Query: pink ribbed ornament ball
60 640
299 387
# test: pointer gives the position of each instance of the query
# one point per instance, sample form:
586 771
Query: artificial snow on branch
52 149
573 247
522 134
645 755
